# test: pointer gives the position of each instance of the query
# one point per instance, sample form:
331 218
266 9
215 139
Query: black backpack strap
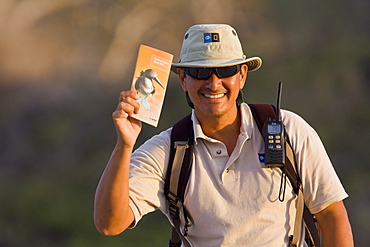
261 113
177 176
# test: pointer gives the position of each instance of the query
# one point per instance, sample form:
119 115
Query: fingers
128 94
127 127
127 105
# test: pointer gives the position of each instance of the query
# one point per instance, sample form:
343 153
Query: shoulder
160 141
291 117
153 153
301 134
295 123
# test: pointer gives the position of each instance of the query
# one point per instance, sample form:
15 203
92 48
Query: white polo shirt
234 199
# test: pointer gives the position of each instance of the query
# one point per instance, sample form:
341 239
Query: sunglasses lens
205 73
199 73
225 72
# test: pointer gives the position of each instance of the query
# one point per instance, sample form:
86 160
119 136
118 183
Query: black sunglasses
205 73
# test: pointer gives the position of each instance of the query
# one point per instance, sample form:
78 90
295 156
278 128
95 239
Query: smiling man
231 195
214 98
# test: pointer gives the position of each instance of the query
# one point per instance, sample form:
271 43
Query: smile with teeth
214 96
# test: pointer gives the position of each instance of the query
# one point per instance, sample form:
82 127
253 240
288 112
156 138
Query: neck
223 128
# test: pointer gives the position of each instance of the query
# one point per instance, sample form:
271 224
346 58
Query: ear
182 76
243 75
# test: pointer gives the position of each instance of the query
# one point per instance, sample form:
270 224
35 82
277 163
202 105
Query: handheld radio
274 137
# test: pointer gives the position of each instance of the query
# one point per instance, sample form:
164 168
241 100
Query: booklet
150 82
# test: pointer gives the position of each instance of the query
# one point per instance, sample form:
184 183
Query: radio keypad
274 141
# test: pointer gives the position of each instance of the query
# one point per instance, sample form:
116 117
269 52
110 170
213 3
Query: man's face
214 97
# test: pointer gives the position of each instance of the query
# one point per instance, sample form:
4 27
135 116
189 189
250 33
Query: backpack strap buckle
174 205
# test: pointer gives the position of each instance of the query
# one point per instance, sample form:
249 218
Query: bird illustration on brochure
150 82
145 86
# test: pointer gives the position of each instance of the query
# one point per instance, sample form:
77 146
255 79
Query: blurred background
63 64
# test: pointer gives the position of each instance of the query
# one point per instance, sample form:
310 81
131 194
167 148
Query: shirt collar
246 127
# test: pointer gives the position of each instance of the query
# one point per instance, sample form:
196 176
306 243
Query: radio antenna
278 116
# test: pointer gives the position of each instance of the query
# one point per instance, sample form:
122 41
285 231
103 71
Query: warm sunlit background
64 62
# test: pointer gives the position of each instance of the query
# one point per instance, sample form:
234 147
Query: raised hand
127 127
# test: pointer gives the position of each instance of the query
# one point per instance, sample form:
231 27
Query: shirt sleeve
147 175
321 185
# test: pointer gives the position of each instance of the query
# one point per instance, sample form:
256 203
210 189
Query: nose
213 82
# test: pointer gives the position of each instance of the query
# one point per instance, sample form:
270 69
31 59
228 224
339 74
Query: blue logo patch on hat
211 37
261 157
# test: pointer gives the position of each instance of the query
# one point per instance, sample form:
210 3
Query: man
231 196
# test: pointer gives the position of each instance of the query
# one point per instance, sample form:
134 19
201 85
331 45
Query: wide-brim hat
213 45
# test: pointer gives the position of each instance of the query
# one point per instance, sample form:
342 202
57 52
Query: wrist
124 146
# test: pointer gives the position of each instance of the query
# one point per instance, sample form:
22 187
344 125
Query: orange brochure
150 82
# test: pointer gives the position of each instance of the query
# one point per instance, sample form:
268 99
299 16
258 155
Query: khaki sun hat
213 45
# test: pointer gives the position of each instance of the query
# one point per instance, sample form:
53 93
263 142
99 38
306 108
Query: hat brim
253 63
